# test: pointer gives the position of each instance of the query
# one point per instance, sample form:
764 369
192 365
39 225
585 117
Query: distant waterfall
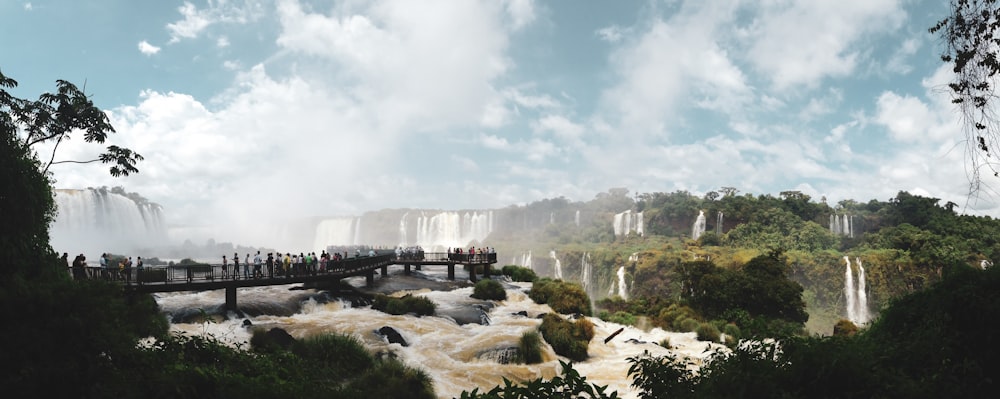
557 268
525 260
337 231
856 295
552 218
622 287
699 226
576 218
402 230
93 221
842 225
586 273
718 223
627 222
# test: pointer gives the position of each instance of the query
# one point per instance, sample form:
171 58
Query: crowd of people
269 265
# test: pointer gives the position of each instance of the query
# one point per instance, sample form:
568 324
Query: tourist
128 270
225 267
236 266
270 265
138 269
286 264
104 266
256 266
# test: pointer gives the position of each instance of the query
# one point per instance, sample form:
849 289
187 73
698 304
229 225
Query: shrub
518 273
569 339
407 304
671 316
563 297
337 354
686 325
390 378
621 317
666 343
707 332
490 290
732 331
529 348
844 328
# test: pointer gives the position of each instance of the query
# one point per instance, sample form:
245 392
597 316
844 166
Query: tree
54 117
971 45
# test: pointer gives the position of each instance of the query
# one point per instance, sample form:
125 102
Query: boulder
392 336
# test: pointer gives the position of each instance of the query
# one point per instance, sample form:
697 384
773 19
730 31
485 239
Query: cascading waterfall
402 230
718 223
586 277
95 221
523 261
627 222
699 226
552 218
557 268
453 229
576 218
855 293
622 287
842 225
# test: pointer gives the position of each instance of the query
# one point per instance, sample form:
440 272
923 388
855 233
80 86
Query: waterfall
586 275
622 287
557 269
402 230
842 225
357 232
627 222
95 221
336 231
453 229
525 260
699 226
552 218
576 218
855 293
718 223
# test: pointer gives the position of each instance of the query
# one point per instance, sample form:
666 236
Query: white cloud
611 34
196 20
801 43
521 12
28 6
148 49
222 41
898 62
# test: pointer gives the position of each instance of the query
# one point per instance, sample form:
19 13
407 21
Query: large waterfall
435 231
576 218
699 226
855 293
93 221
718 223
627 222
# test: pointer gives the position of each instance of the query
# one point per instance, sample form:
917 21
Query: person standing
270 265
104 266
225 267
236 266
256 266
138 269
128 270
246 267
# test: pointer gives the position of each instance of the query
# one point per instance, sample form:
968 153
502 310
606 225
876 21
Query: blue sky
252 109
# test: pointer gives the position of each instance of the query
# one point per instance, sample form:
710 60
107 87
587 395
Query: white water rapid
94 221
455 356
855 293
698 228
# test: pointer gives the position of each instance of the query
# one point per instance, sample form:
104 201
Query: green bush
489 290
407 304
569 339
518 273
563 297
731 330
335 353
620 317
844 328
672 316
686 325
529 348
707 332
390 378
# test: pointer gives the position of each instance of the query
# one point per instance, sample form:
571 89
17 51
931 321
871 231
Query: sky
255 110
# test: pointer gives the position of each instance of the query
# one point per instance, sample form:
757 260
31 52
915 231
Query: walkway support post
451 271
231 298
370 278
472 272
406 269
385 270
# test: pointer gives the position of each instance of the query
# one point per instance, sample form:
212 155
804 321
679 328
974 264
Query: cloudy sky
254 109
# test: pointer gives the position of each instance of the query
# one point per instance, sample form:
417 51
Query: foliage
969 35
518 273
407 304
844 328
569 339
708 332
489 290
529 348
341 355
55 117
390 378
568 385
620 317
563 297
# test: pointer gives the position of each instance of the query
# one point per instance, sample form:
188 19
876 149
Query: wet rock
392 336
279 337
523 313
508 355
247 323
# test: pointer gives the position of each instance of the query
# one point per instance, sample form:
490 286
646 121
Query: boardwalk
204 277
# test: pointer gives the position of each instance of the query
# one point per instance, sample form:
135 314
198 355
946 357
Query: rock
247 323
390 334
280 337
523 313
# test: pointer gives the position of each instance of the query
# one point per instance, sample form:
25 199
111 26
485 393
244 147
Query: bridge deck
203 277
